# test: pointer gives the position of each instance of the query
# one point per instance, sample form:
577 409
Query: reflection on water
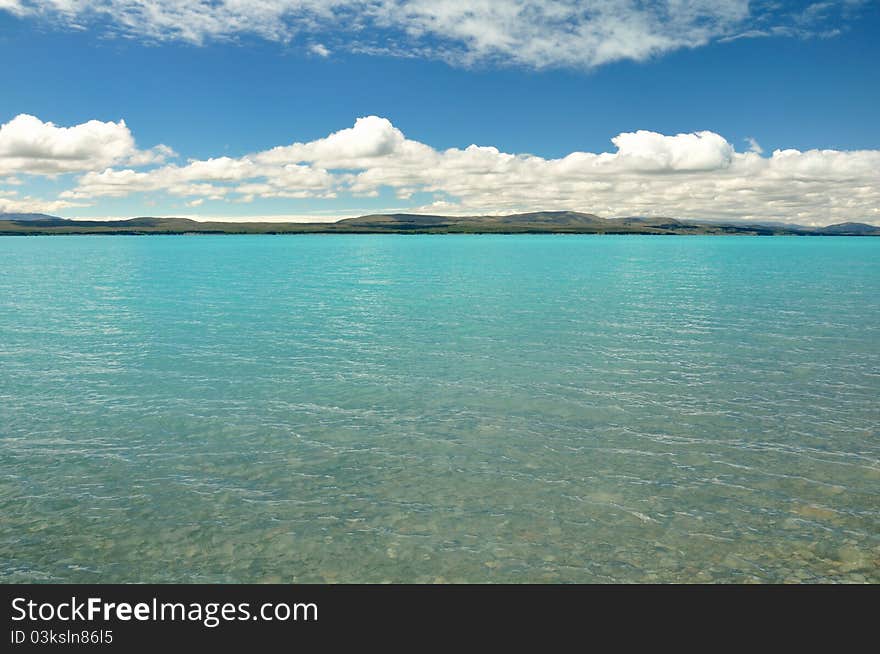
446 408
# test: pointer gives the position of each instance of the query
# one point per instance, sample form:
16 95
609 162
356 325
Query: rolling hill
540 222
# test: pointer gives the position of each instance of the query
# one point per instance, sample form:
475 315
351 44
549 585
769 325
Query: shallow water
424 408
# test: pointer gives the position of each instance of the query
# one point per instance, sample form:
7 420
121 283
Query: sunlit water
430 408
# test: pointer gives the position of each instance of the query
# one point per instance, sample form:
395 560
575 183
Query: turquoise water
439 408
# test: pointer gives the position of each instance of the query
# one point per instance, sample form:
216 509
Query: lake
456 408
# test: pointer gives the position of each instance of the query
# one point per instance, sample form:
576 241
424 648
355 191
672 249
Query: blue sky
795 77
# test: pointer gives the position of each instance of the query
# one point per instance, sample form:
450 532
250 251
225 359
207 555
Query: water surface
439 408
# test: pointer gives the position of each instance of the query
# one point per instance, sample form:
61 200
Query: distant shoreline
546 222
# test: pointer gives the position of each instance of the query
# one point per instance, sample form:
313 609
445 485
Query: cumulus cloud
696 175
535 33
29 145
11 203
649 151
369 138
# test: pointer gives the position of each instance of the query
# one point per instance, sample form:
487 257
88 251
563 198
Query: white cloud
754 146
535 33
319 49
155 155
649 151
29 145
370 137
13 6
697 175
10 203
